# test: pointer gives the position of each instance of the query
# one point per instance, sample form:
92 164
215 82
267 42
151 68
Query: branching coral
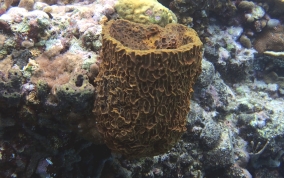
144 85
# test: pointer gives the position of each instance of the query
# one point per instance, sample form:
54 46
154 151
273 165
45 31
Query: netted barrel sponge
144 85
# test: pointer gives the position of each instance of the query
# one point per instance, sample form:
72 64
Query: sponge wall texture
145 11
144 85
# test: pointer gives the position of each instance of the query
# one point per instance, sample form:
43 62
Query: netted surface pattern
143 91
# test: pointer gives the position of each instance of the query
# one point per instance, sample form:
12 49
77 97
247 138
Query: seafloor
50 56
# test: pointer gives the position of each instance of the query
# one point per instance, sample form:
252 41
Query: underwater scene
141 89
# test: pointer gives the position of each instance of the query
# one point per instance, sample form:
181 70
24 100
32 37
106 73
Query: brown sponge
144 85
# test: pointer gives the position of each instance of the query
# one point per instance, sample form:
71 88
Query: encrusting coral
144 85
145 11
270 40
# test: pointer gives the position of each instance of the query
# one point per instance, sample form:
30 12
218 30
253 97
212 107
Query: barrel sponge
144 85
145 11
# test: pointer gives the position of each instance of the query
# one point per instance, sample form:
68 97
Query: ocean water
142 89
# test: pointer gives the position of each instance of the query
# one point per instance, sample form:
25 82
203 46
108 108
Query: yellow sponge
144 86
145 12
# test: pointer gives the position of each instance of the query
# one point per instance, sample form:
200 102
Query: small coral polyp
144 85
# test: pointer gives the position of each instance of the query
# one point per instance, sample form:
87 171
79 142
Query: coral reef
46 98
271 39
275 7
54 34
143 101
255 12
178 162
36 151
27 4
10 92
4 5
78 92
56 71
270 69
145 11
237 172
211 134
35 140
229 57
245 41
50 58
221 155
196 13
